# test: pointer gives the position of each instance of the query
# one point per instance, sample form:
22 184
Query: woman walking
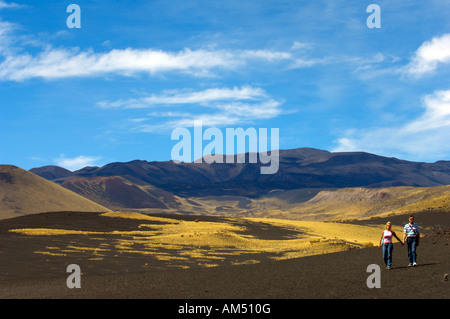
386 241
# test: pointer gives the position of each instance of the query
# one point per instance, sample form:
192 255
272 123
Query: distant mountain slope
51 172
23 193
360 203
298 168
326 204
117 193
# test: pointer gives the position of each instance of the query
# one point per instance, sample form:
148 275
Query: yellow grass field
207 243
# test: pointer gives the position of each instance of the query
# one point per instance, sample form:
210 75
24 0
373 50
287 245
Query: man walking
412 236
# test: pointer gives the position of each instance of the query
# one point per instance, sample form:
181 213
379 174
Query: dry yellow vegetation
440 202
208 243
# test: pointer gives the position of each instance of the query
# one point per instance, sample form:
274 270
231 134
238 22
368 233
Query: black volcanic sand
25 274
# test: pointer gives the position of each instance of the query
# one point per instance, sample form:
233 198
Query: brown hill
325 204
23 193
361 203
117 192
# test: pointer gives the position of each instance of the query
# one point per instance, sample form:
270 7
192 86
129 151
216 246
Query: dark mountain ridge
298 168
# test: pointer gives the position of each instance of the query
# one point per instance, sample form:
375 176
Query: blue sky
114 89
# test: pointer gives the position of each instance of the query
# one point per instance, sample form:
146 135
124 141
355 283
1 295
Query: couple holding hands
411 236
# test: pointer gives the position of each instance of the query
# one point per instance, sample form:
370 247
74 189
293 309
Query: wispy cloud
64 63
300 63
422 137
299 45
214 107
201 97
76 163
6 29
60 63
267 55
10 5
56 63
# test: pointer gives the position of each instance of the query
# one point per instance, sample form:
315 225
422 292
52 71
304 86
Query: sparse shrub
367 245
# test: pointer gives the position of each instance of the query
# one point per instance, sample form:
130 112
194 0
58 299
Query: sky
114 89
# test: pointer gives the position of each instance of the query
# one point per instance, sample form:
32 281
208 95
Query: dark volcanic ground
25 274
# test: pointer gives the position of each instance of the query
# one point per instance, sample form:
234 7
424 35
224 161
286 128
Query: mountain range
298 168
308 180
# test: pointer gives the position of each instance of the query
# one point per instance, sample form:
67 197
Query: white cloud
436 115
76 163
10 5
353 61
56 63
221 107
5 40
423 138
429 55
202 97
265 55
5 28
346 144
235 113
298 45
63 63
307 63
59 63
